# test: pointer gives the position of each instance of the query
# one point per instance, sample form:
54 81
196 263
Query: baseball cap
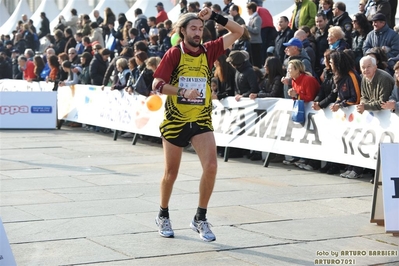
379 16
8 43
293 42
159 4
236 58
15 51
270 50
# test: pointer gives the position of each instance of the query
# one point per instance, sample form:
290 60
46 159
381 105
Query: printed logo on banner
41 109
4 109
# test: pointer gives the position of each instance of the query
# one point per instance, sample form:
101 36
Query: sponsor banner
111 109
7 85
265 124
28 110
390 183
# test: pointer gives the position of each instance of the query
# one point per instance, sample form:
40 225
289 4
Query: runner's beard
193 43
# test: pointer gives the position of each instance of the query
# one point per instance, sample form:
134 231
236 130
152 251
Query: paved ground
72 197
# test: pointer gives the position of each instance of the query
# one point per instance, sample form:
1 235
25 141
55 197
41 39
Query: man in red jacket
162 15
27 67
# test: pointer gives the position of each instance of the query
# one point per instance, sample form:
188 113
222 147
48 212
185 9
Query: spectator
321 41
268 31
304 85
141 57
45 26
79 44
132 80
5 68
109 19
98 66
140 22
245 78
225 78
336 39
380 56
272 86
393 103
302 36
73 56
16 72
326 8
38 63
361 28
31 26
126 53
29 54
283 36
61 58
126 28
85 60
86 29
69 39
254 29
228 5
152 63
153 30
8 47
382 36
134 36
29 37
122 76
382 7
54 75
342 19
376 86
346 81
304 13
72 75
60 43
73 22
26 67
234 12
183 7
326 95
87 45
98 18
19 42
243 44
164 41
161 15
97 34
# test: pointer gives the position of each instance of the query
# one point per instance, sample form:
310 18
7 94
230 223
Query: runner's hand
205 13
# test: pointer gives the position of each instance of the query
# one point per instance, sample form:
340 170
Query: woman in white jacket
96 34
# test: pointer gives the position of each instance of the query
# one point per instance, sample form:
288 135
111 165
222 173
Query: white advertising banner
390 185
32 109
265 124
7 85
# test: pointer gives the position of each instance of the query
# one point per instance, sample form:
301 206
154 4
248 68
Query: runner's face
193 32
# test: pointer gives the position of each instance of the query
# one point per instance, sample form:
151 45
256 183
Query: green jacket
307 14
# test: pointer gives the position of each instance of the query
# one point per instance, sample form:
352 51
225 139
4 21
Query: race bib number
193 83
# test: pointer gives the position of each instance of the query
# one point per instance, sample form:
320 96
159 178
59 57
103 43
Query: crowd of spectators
320 54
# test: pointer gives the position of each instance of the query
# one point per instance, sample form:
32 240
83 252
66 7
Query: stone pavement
72 197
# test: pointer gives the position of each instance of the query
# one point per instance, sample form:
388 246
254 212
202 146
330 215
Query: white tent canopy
47 6
117 6
81 6
148 8
11 23
274 7
4 16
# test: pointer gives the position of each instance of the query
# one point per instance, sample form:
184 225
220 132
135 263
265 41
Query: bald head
300 34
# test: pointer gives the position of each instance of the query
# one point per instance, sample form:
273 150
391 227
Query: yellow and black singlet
192 72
